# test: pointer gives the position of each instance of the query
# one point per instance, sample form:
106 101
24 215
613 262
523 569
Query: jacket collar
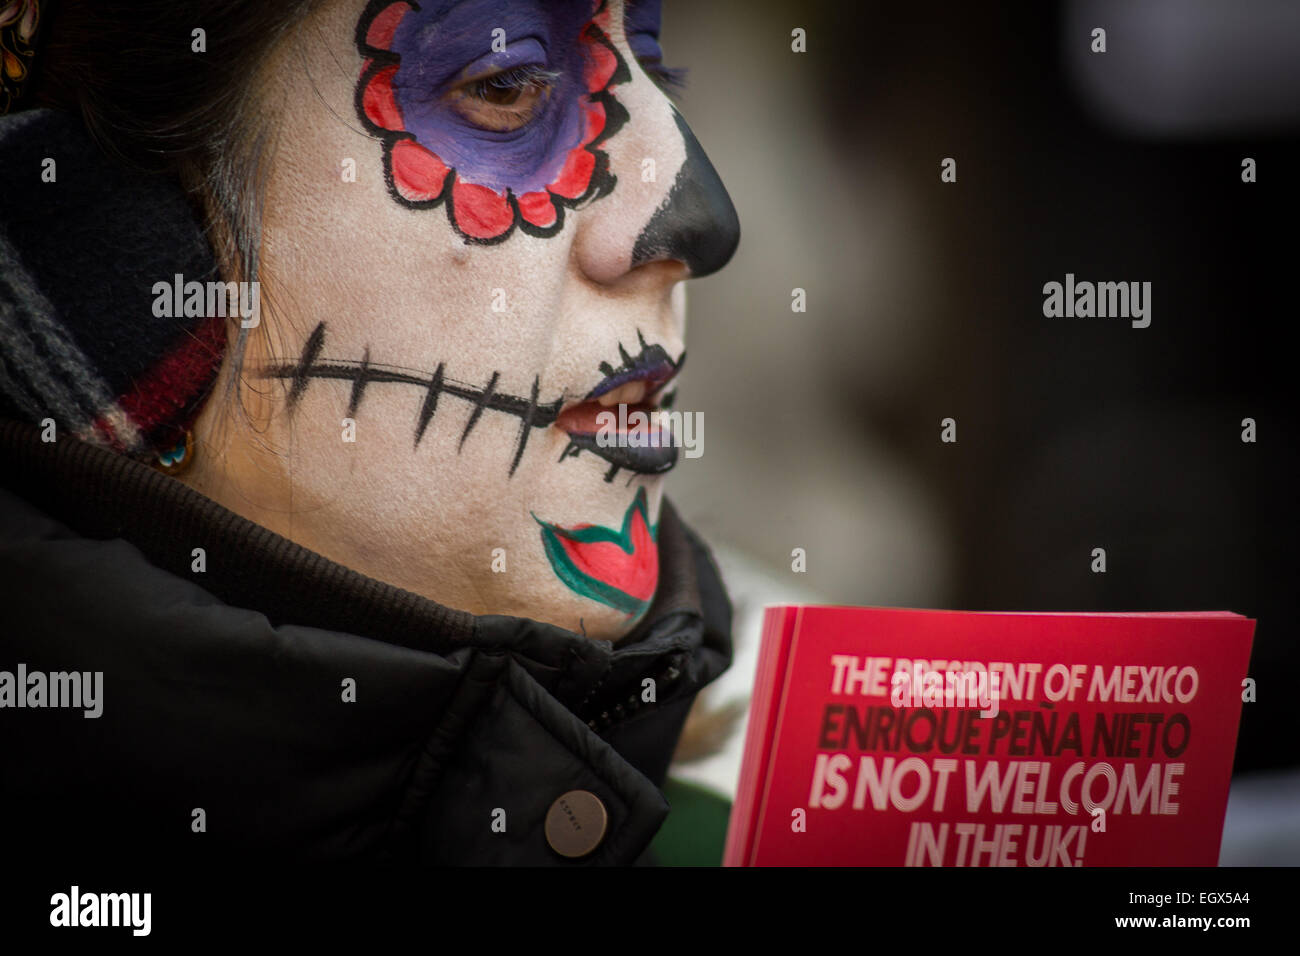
684 637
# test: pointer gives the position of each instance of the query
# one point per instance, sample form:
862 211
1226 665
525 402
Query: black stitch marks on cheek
430 404
480 403
696 222
526 422
362 374
301 372
652 365
359 384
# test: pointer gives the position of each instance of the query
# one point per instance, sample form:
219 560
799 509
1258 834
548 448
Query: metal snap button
576 823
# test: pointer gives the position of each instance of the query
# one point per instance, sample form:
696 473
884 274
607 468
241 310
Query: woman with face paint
337 342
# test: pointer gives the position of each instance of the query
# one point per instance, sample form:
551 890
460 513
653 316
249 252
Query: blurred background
924 301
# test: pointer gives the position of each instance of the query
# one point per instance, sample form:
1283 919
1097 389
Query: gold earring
178 459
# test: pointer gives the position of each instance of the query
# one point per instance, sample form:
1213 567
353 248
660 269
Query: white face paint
406 385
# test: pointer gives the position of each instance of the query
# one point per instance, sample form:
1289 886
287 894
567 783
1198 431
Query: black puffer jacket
224 691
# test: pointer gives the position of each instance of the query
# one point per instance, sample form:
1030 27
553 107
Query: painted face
478 218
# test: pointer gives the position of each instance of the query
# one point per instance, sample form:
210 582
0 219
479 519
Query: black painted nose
697 222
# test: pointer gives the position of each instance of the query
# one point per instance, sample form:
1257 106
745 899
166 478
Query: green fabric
696 828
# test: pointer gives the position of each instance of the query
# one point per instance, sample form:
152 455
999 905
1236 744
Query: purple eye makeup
503 126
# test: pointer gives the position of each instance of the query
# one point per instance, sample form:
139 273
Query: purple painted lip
653 366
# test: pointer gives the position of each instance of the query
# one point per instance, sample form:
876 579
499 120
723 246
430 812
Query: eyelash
671 79
517 79
520 80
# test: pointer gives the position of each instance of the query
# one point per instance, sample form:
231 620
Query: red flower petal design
418 174
538 209
481 213
378 101
575 177
593 121
601 66
384 25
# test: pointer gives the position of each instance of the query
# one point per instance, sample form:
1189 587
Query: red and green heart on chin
617 567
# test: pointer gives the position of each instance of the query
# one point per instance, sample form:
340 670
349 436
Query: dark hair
151 101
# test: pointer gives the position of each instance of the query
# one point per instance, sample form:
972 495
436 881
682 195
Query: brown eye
504 101
504 94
